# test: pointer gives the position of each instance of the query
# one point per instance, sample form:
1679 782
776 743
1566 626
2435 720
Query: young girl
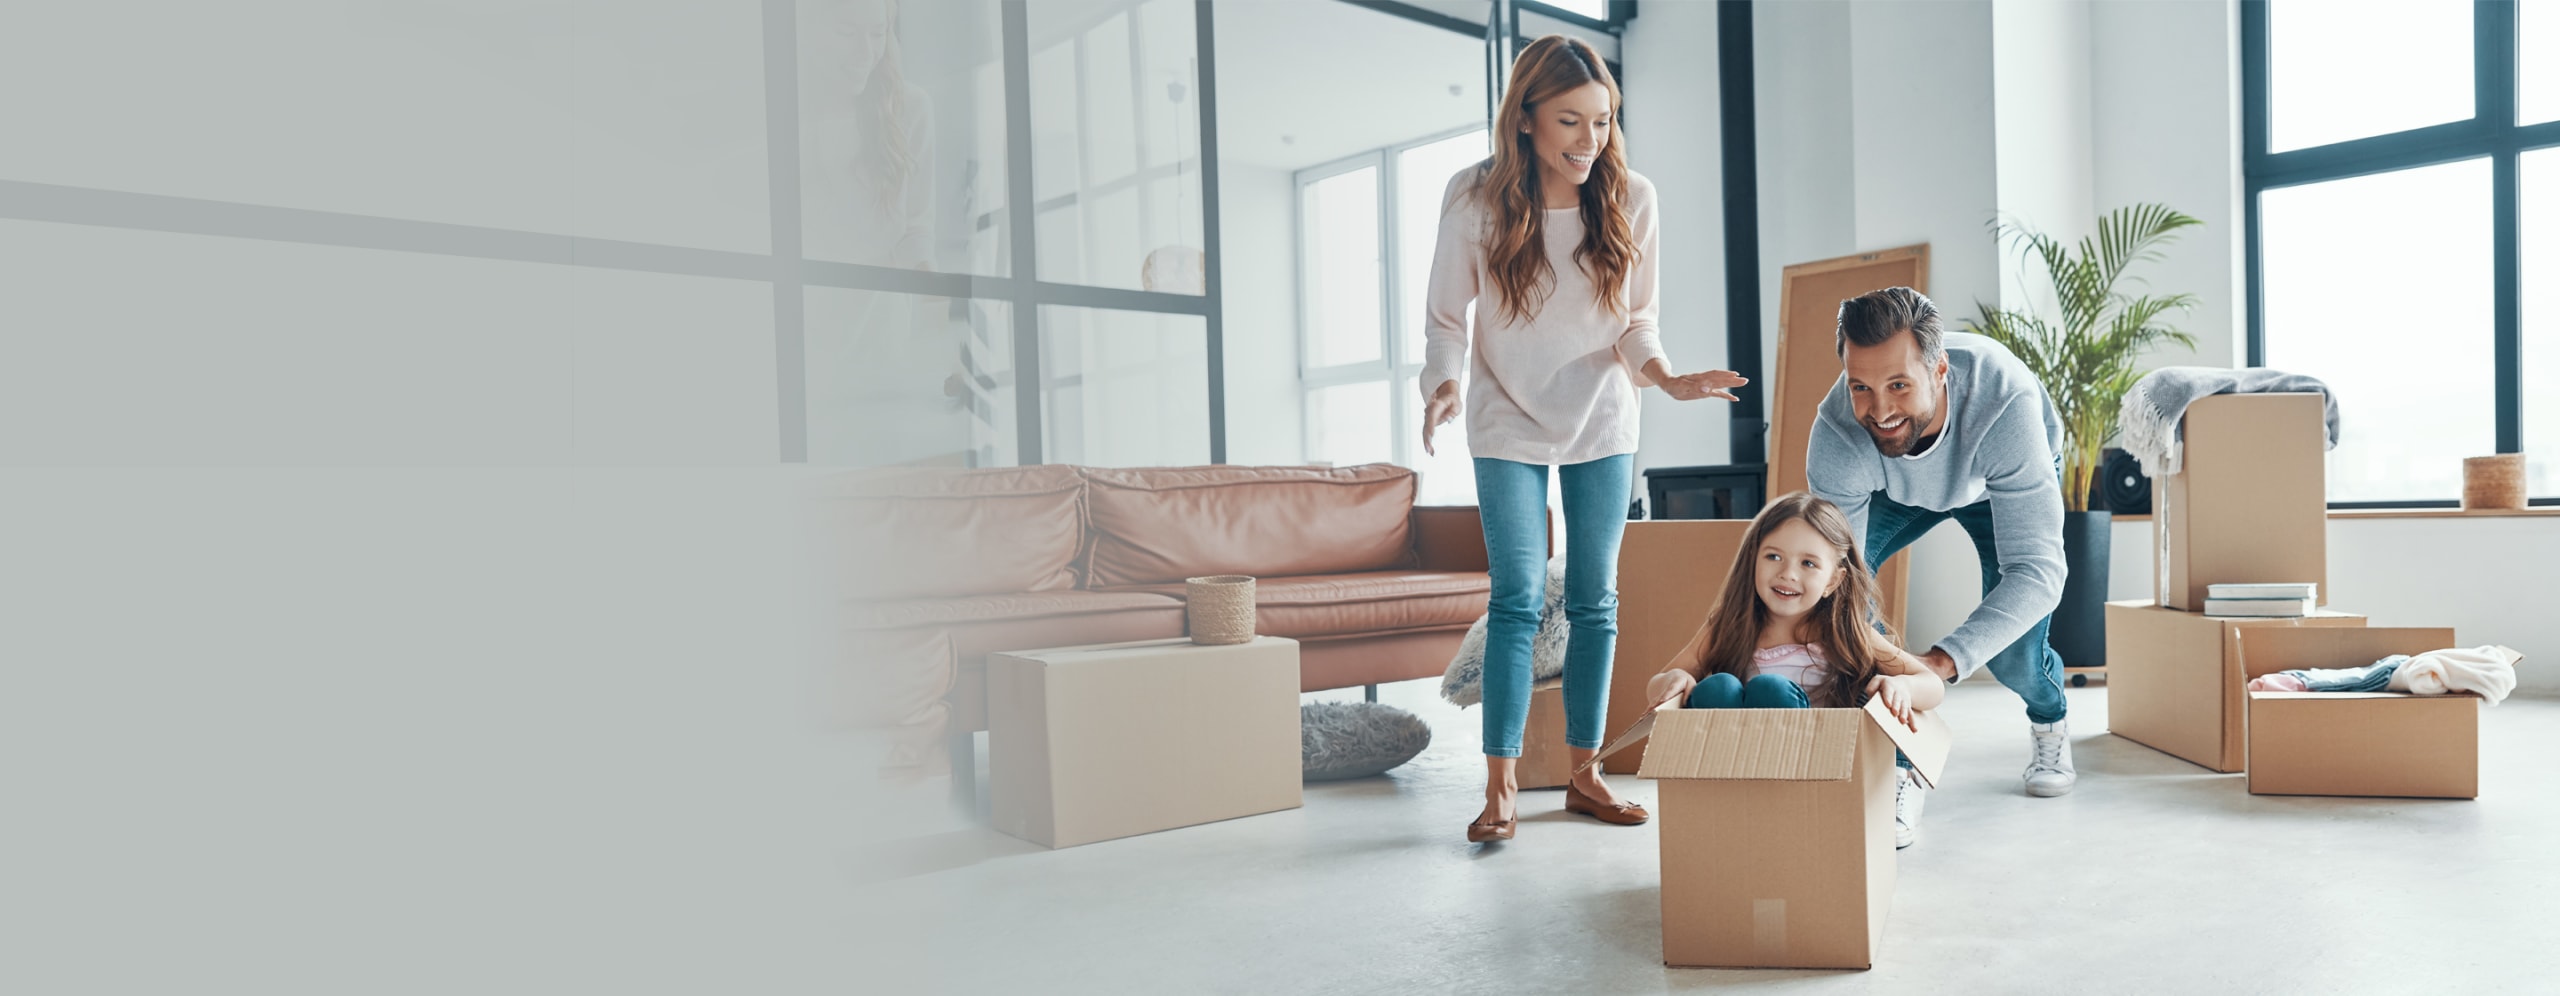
1794 630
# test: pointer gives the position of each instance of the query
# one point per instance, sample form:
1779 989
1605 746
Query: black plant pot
2080 622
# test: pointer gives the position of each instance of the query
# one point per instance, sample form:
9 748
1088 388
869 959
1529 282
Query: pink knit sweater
1558 387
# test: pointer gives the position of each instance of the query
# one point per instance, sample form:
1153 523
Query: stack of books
2262 601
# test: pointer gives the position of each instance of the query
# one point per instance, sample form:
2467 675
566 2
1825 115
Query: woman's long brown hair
1515 202
1843 623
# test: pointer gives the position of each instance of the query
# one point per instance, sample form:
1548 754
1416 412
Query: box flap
1640 729
2267 649
1804 745
1926 747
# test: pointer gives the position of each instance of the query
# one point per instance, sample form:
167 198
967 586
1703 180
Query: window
2403 180
2414 246
1591 13
1361 319
2538 80
2345 69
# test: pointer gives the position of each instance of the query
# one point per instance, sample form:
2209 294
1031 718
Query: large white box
1092 743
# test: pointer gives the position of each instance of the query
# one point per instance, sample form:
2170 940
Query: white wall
1674 138
1808 202
2041 109
1266 421
1922 133
2403 572
2165 84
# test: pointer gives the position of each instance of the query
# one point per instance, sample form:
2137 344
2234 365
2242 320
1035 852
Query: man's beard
1914 429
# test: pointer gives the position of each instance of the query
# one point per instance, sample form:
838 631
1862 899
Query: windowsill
2536 511
2444 513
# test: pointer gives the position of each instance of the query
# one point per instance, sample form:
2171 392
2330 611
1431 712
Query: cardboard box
2250 502
1670 573
1777 831
2347 743
1545 762
2174 682
1092 743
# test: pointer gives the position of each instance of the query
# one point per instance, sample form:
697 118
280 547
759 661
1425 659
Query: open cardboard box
2174 682
1777 831
2357 743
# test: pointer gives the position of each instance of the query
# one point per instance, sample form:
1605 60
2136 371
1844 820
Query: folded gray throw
2150 425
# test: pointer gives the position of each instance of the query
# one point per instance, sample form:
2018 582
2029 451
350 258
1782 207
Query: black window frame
2492 132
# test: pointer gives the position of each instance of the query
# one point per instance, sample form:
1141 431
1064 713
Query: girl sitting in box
1794 630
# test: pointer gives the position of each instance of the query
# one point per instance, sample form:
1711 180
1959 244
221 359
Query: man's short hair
1875 317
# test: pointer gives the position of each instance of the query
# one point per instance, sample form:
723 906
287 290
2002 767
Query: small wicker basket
2493 482
1220 607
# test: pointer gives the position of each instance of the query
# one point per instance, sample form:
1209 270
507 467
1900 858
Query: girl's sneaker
1908 798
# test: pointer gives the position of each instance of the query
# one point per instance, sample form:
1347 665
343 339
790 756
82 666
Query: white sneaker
1908 798
2049 772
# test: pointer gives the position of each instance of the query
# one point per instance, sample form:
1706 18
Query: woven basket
1220 607
2493 482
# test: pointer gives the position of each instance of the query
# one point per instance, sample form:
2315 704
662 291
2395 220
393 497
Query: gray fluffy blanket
2150 425
1464 683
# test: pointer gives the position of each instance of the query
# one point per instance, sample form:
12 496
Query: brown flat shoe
1625 814
1478 833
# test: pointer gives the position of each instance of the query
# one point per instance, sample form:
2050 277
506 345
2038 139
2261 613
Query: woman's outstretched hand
1691 387
1704 384
1438 410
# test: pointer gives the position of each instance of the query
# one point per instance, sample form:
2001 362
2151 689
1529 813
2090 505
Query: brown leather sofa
952 565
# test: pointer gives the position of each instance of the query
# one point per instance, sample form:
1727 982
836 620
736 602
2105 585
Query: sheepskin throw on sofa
1463 685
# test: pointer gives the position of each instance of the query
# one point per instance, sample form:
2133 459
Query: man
1923 427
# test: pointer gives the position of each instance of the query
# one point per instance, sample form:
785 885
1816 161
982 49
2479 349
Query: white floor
2156 876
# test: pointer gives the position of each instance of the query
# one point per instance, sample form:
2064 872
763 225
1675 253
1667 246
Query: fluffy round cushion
1357 739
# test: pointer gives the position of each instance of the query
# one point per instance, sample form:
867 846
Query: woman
1553 240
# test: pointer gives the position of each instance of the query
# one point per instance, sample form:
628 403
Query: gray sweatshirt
1999 443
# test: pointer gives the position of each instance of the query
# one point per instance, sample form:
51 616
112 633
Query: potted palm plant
2085 354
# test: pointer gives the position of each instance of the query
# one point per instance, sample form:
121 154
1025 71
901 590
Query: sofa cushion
1158 525
1330 605
904 533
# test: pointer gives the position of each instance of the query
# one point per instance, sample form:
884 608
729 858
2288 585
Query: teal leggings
1763 691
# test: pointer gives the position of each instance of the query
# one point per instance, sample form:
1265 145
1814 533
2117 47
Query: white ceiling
1304 82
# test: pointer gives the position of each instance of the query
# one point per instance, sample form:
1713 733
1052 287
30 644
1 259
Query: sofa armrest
1451 538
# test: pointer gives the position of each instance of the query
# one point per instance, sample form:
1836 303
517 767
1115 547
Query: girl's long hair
1843 623
1515 202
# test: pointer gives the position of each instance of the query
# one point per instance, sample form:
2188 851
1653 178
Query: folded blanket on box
2151 424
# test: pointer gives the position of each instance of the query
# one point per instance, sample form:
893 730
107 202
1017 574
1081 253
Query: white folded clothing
2489 671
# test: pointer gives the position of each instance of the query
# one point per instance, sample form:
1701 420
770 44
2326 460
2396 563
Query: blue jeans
1763 691
2029 667
1512 498
2374 678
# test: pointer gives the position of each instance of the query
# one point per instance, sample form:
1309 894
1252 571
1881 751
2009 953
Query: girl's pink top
1802 663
